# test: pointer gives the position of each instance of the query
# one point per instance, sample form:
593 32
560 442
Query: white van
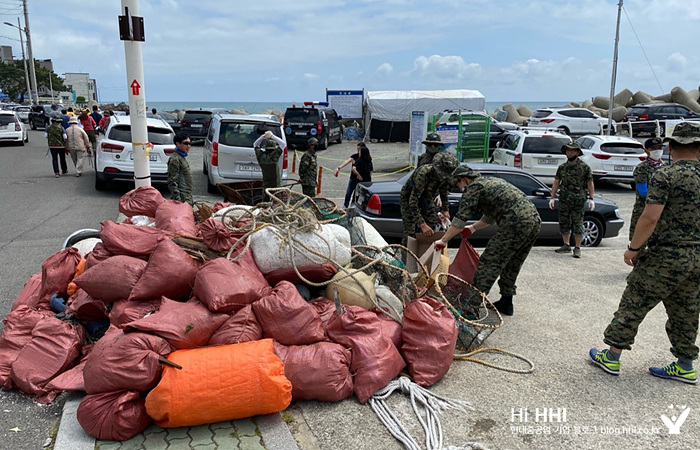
228 153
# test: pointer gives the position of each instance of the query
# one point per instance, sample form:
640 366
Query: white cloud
444 67
310 76
676 61
385 69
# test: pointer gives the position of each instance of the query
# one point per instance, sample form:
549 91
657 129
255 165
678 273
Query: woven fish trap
325 210
455 293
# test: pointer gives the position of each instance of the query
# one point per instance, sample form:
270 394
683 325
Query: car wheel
340 137
592 231
204 168
324 143
100 184
605 130
32 125
563 130
662 130
26 139
211 188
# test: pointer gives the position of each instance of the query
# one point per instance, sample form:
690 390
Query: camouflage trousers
571 215
504 256
309 190
668 275
411 227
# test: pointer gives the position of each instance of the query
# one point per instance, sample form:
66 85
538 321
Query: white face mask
656 154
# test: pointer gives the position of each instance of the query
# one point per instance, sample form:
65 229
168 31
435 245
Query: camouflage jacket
425 158
308 168
54 135
677 187
642 174
573 179
179 178
498 201
421 189
267 159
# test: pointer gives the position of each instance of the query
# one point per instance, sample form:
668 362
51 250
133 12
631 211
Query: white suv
534 150
114 159
570 120
612 158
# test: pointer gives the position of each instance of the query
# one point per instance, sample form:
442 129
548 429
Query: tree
80 100
12 81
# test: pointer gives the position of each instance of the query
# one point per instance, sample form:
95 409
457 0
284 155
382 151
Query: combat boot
505 305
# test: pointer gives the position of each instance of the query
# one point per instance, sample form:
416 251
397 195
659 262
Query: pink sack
125 311
122 361
54 348
225 286
286 317
176 217
320 371
241 327
16 334
375 360
142 201
72 379
113 416
86 308
216 235
170 273
389 327
30 293
98 254
325 309
221 205
465 263
131 240
183 325
112 279
56 272
429 340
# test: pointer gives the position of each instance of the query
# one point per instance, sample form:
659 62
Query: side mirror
541 192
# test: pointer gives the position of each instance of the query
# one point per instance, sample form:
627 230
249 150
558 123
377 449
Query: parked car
229 155
40 115
196 121
643 117
12 129
612 158
172 120
378 203
570 120
314 119
535 150
114 159
23 113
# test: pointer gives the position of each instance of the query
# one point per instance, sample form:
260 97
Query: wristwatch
629 247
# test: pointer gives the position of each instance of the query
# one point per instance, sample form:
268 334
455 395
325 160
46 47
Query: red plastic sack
241 327
225 286
30 293
56 272
113 416
123 361
112 279
315 273
170 272
98 254
286 317
142 201
465 263
183 325
325 309
86 308
54 348
72 379
125 311
320 371
131 240
429 340
216 235
389 327
221 205
176 217
16 334
375 360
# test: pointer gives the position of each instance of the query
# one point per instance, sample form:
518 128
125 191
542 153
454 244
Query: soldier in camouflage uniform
518 223
668 270
308 169
56 137
179 173
642 177
432 145
418 209
572 179
268 156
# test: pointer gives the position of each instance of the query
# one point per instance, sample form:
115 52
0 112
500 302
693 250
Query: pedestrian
308 169
432 146
70 111
179 173
418 209
352 182
56 137
518 224
155 113
668 270
268 149
97 117
363 167
64 119
572 179
89 126
653 147
105 121
77 143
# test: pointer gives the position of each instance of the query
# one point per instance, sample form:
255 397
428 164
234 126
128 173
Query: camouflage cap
653 142
312 141
432 138
463 171
269 144
572 146
445 163
685 133
56 118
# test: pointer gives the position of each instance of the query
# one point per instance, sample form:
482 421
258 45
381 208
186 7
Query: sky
293 50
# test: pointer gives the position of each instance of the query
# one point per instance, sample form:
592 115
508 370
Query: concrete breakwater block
664 98
679 95
513 115
524 111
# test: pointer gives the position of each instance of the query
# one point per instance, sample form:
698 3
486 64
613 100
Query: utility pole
29 50
132 33
24 59
614 70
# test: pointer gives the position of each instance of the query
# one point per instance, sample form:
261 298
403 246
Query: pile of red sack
192 342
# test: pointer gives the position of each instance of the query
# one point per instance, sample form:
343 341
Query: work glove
440 245
591 204
267 135
551 204
467 231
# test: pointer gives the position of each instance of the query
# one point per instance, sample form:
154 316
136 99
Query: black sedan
378 203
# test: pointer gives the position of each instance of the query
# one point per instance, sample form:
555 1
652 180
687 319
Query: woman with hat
89 126
56 138
572 179
77 143
432 146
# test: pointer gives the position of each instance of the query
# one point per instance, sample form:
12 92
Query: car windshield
636 111
197 116
544 144
6 119
156 136
622 148
237 134
304 116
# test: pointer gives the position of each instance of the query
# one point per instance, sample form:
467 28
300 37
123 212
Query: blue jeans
348 193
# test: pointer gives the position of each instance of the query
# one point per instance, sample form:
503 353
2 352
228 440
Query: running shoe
563 249
674 372
600 358
577 252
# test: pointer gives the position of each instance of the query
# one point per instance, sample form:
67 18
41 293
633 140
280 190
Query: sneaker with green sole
674 372
563 249
600 358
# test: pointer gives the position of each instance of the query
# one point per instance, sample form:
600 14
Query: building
81 85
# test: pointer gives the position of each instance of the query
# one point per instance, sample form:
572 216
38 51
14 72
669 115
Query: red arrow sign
135 86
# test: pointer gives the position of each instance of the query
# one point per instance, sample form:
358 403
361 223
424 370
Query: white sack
86 245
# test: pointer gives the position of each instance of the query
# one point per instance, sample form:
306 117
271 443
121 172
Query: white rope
426 405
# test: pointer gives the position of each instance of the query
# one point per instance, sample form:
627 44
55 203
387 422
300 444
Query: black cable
644 52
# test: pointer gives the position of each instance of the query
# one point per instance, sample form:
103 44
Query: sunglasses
433 145
186 142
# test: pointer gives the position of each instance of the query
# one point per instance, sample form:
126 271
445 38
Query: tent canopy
396 106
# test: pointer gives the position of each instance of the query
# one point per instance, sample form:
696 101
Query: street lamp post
24 59
32 71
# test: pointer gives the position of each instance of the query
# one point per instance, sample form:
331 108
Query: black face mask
572 159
